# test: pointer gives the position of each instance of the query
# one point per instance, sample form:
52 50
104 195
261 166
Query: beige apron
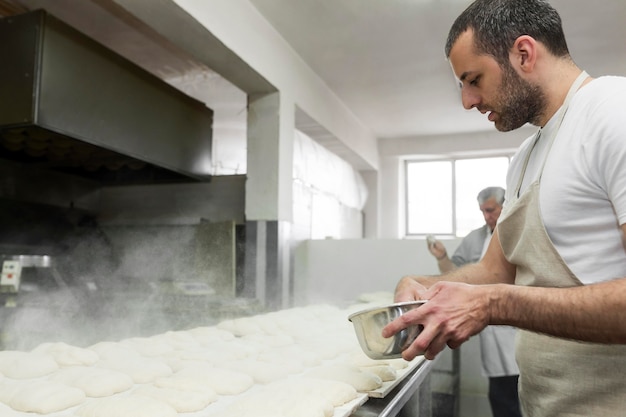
558 377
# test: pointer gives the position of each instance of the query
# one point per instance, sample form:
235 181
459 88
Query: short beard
519 102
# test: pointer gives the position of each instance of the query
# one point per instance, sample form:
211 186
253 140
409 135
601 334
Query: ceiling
383 58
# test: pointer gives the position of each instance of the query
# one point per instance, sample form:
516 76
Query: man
497 343
559 238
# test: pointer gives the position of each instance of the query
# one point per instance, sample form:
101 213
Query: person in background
556 264
497 343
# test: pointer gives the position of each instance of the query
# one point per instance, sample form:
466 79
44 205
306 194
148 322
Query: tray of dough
278 364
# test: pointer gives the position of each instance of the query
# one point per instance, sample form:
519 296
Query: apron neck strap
578 82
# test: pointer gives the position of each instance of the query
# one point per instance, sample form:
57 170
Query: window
441 195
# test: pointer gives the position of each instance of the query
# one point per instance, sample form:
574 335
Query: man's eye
474 82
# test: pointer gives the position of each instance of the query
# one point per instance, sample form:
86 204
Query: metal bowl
368 325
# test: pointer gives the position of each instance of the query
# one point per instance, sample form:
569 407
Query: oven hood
69 104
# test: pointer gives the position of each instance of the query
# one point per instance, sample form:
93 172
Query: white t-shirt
583 187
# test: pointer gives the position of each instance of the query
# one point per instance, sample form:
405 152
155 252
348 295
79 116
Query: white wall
338 271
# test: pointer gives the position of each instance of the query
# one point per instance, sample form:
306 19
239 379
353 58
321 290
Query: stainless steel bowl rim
401 304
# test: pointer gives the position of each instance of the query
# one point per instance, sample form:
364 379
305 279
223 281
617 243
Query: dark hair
498 23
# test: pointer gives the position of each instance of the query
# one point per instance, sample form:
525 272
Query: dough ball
336 392
182 340
268 340
94 381
112 351
141 370
8 388
184 383
385 372
6 411
25 365
68 355
208 335
222 381
45 397
400 363
213 356
147 346
183 401
240 326
126 406
362 381
261 372
294 354
275 401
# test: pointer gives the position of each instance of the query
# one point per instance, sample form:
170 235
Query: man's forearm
593 313
410 287
445 264
475 274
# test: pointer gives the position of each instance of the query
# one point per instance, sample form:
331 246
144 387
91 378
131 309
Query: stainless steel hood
69 104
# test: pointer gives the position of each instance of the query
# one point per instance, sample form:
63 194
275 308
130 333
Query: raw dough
276 401
362 381
126 406
385 372
6 411
240 326
114 351
222 381
268 340
140 369
293 353
147 346
181 340
94 381
336 392
184 383
183 401
68 355
207 335
25 365
44 397
261 372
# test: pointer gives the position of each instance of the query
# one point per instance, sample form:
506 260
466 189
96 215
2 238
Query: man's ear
523 54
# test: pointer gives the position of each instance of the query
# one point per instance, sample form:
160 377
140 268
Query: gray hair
498 23
491 192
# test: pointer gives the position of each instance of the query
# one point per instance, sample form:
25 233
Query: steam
124 281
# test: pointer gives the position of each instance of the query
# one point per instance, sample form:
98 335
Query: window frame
453 160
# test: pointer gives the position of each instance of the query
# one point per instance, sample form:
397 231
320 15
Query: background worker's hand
437 249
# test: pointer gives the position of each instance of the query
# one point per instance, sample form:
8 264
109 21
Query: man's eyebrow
464 75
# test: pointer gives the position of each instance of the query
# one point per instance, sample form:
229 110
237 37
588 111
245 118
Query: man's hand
453 314
409 289
437 250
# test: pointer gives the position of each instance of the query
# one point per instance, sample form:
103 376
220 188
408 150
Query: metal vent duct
70 104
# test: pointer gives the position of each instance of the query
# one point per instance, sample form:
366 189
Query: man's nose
469 99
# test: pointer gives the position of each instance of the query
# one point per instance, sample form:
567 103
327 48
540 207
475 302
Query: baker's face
510 100
491 212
